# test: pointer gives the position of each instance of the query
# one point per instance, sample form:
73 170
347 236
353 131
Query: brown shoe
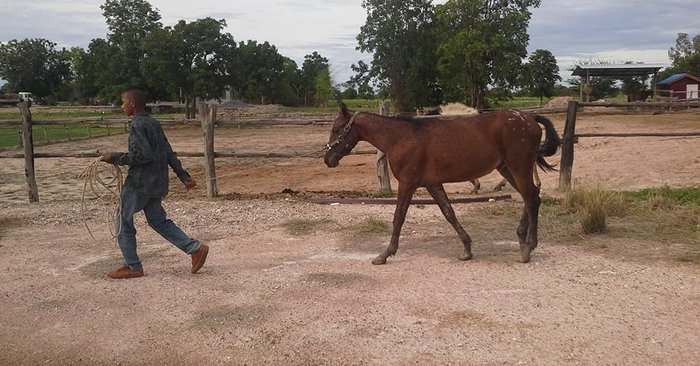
199 257
125 272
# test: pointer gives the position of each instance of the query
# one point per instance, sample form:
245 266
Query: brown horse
429 151
640 96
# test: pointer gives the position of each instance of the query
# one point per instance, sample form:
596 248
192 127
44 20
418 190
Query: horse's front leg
440 196
403 201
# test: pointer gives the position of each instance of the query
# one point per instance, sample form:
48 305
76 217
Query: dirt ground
267 296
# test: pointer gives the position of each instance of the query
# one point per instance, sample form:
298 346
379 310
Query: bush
592 206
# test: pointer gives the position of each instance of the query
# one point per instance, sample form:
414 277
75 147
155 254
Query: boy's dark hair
137 93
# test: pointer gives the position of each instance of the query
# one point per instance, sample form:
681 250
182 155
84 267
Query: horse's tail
549 146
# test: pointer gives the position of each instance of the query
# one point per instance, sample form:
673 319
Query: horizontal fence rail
638 134
190 154
171 122
641 104
570 136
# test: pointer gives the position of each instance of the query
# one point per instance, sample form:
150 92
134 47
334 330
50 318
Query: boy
145 186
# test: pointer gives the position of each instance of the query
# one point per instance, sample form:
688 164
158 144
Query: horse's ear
344 110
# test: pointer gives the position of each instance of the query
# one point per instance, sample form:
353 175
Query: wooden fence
207 121
570 137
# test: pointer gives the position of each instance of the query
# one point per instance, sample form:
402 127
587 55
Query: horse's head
343 137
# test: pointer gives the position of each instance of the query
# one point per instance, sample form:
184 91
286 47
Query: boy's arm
140 151
176 166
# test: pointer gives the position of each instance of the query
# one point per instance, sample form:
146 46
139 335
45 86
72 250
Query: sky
573 30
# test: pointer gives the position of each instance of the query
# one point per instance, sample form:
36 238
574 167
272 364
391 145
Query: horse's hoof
378 261
465 256
525 258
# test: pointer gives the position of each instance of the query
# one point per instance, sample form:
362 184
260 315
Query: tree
632 84
84 83
542 74
364 80
482 44
348 92
685 56
189 58
118 64
684 48
399 34
312 68
34 65
289 84
263 74
323 86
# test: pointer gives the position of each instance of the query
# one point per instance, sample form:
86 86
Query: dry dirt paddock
267 296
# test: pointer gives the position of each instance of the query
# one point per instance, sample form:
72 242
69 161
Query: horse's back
486 128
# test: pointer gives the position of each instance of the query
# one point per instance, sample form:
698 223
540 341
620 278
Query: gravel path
268 297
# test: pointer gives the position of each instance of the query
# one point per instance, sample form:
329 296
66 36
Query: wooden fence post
382 163
207 116
28 142
567 148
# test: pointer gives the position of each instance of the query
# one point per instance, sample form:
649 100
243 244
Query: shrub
593 205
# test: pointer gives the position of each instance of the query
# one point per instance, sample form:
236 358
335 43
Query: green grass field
12 113
9 136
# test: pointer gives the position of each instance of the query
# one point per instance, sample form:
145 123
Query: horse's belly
460 169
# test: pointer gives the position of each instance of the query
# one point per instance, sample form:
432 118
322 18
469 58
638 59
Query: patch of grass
681 196
43 115
593 206
497 209
372 226
658 223
365 104
612 203
689 258
9 136
382 194
549 201
303 226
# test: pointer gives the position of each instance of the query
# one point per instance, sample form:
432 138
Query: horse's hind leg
438 193
476 186
499 187
527 229
403 201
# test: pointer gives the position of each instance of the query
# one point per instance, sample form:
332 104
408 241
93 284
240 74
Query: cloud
570 27
573 30
65 23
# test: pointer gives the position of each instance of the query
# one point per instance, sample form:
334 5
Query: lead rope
105 182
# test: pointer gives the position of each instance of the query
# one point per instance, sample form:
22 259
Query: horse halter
341 137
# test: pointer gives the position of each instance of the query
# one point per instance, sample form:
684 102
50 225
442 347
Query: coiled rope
104 181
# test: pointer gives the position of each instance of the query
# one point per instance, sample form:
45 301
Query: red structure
680 86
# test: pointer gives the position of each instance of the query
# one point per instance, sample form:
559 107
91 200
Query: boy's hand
189 183
107 157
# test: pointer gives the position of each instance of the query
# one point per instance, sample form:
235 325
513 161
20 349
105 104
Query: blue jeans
133 202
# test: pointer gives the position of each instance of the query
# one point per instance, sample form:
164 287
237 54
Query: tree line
469 51
185 61
423 55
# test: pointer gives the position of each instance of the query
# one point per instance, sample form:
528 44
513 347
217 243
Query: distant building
680 86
